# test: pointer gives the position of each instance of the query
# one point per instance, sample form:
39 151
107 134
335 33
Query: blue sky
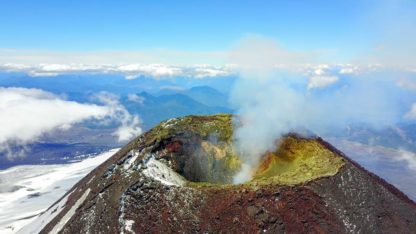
343 29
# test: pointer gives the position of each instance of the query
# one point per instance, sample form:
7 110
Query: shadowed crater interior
205 159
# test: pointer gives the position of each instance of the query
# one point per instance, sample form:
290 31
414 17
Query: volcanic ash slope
177 178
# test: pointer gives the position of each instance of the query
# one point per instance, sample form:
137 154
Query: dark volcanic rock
176 178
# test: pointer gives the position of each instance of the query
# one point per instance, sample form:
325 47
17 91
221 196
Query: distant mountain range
79 87
203 94
169 104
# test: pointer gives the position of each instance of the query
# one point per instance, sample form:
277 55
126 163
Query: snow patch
70 213
129 226
121 220
129 162
159 171
92 178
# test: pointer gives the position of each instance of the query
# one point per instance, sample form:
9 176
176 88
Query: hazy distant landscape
155 100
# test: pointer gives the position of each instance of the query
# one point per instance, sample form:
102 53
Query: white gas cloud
271 102
26 114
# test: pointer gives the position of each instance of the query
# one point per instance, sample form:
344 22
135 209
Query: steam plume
272 100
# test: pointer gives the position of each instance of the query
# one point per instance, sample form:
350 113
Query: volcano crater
205 154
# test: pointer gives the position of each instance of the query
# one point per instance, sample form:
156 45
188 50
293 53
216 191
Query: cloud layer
26 114
130 71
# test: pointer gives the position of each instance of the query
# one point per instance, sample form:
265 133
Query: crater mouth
297 160
208 161
200 149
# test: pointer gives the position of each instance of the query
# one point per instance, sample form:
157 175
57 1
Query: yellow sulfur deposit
298 160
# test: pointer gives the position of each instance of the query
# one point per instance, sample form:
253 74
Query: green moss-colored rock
219 126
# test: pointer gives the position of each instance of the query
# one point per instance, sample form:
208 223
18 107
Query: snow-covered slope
27 191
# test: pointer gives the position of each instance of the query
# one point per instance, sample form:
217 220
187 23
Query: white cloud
322 75
26 114
409 158
347 70
321 81
412 112
210 71
157 70
321 69
135 98
129 124
153 70
130 71
128 129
